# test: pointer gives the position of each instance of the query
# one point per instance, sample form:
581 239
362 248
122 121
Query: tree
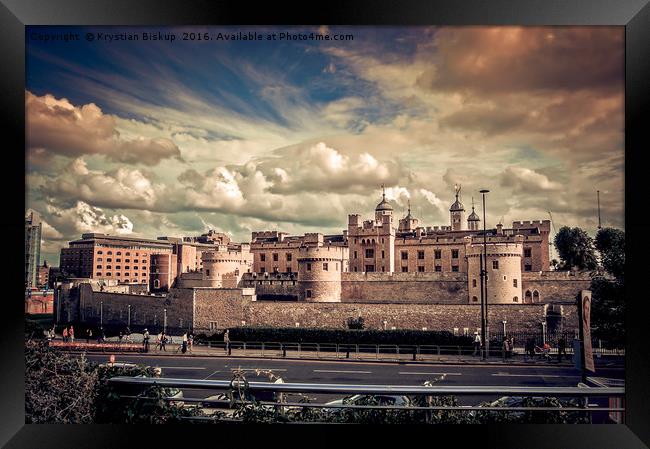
608 292
610 243
576 249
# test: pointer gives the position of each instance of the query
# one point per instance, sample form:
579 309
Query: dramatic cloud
62 128
502 60
246 137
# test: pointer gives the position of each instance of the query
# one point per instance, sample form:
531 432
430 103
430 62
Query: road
390 373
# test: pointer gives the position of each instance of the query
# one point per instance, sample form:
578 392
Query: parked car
367 399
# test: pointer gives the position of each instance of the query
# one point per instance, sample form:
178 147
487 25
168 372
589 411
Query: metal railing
370 351
582 392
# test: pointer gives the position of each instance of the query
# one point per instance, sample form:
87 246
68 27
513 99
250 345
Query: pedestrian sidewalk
173 350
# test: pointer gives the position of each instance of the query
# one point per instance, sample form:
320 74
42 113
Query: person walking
163 341
184 344
190 342
561 349
477 344
120 336
145 340
71 334
226 340
89 335
65 334
505 348
511 346
128 334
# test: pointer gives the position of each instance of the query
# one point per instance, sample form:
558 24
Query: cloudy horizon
157 138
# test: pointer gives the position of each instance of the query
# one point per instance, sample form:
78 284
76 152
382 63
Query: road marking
255 369
341 371
206 378
182 367
432 374
532 375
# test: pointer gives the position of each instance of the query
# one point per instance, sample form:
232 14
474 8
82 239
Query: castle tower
319 273
224 268
473 220
408 223
457 212
383 208
503 270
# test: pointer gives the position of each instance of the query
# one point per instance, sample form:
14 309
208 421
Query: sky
159 138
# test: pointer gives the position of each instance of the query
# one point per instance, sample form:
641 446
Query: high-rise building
33 229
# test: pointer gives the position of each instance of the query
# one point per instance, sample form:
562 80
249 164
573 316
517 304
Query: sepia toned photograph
325 224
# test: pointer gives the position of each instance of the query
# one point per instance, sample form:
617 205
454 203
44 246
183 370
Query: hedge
341 336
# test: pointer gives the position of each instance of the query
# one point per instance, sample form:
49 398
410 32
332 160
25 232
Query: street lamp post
504 327
543 332
484 292
165 321
101 314
128 316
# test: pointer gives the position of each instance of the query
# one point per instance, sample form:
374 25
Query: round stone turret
503 270
319 273
223 269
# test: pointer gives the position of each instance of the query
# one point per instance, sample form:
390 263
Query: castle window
355 269
126 267
527 252
383 268
454 254
495 264
473 283
156 283
108 267
99 267
275 257
474 299
535 296
370 268
437 254
108 274
420 255
100 252
263 257
262 270
308 267
109 260
438 268
382 240
355 254
528 268
514 282
383 255
528 297
505 278
308 293
370 253
515 299
405 269
288 257
405 255
454 268
127 260
325 266
118 260
207 273
135 267
119 267
98 274
421 269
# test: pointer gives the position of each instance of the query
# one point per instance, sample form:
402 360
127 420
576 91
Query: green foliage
356 323
58 388
342 336
608 310
610 243
534 417
576 249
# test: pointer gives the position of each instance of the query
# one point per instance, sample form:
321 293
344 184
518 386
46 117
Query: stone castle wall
220 308
555 286
525 318
411 288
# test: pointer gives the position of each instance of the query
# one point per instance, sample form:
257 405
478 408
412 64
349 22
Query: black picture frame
634 15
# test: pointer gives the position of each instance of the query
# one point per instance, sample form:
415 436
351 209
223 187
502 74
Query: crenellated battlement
542 224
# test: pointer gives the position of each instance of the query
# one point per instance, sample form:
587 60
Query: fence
278 390
363 351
